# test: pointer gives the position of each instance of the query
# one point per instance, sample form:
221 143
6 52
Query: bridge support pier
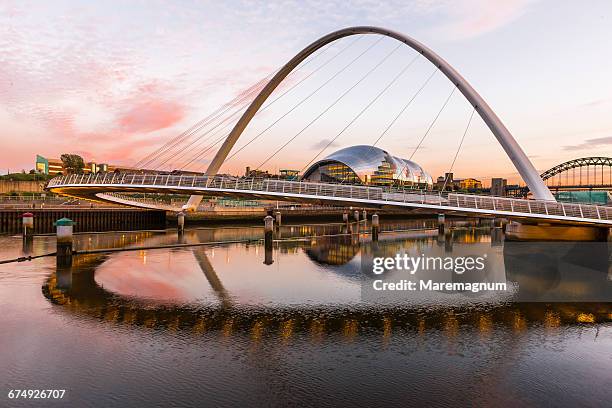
516 231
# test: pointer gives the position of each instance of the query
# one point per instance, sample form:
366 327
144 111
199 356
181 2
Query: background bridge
587 173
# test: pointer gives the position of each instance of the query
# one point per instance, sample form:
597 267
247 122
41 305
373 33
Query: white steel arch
499 130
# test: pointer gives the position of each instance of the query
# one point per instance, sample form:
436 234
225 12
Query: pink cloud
150 116
475 17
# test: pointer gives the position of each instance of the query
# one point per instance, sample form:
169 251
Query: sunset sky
112 81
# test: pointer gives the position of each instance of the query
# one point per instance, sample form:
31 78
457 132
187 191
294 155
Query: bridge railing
366 193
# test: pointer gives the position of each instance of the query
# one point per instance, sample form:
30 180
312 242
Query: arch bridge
109 187
584 173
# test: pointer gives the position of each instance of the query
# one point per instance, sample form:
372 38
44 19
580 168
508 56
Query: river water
232 325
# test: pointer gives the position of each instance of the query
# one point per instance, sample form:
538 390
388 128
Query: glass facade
336 172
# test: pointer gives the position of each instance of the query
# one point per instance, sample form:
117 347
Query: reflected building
367 165
334 251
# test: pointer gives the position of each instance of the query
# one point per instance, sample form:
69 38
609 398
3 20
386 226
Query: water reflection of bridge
83 295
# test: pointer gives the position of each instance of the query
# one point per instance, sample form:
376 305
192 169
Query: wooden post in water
345 219
180 219
64 229
375 227
278 219
268 236
28 231
441 223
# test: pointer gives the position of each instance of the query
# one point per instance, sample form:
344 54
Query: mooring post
268 236
180 218
375 227
448 241
28 231
278 219
356 215
441 223
345 219
64 229
365 217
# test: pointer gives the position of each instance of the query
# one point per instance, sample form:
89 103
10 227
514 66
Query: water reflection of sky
327 270
140 339
178 276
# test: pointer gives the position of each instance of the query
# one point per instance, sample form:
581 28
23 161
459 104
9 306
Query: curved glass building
369 166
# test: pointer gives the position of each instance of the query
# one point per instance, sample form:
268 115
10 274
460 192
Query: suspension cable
433 122
367 74
196 127
240 98
365 108
397 116
459 148
193 158
219 118
431 125
344 68
185 149
198 141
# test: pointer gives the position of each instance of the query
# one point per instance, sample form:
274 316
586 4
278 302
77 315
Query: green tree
73 163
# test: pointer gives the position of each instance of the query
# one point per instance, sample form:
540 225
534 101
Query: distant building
498 187
256 173
288 174
48 166
56 166
469 184
445 182
448 182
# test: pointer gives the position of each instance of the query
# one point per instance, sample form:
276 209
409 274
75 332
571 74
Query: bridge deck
107 186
